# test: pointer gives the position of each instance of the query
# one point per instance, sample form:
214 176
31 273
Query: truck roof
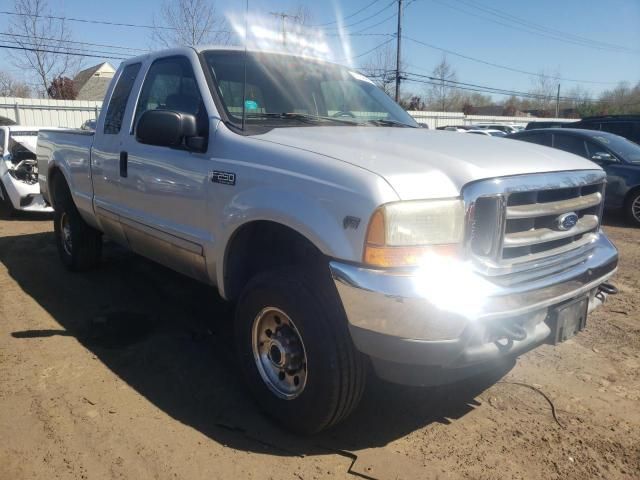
202 48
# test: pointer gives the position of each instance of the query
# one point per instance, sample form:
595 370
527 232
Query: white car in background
488 132
19 189
506 128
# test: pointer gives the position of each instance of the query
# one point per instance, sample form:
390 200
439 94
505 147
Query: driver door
164 214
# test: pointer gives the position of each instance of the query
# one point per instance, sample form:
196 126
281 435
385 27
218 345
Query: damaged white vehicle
19 189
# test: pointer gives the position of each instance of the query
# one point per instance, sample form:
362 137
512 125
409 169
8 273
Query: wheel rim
65 232
635 208
279 353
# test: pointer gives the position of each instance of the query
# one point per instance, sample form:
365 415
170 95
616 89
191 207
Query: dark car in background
627 126
619 157
544 124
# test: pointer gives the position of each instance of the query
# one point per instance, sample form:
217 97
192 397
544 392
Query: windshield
626 149
285 91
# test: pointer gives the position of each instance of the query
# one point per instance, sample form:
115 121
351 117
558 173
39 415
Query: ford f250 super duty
347 236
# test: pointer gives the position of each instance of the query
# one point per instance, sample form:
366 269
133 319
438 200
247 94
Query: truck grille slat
542 235
528 217
554 208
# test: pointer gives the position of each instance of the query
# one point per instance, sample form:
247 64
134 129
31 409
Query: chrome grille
514 222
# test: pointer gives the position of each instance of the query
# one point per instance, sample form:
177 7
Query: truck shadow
170 338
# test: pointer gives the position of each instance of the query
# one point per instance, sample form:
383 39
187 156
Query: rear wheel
79 245
296 352
632 208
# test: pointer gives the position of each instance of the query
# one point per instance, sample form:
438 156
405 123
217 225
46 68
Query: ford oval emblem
567 221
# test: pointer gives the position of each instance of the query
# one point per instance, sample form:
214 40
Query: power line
99 22
393 15
60 52
373 49
60 48
29 38
390 4
559 34
535 30
348 16
486 89
504 67
9 34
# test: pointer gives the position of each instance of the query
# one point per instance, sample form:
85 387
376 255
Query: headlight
401 233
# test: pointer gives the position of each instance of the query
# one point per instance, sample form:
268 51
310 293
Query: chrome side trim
554 208
163 236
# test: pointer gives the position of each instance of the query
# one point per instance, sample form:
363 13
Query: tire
632 208
333 377
79 245
6 207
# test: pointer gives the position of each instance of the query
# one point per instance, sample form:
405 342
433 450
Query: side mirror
603 157
167 128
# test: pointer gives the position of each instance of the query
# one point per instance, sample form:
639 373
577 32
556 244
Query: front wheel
296 352
632 208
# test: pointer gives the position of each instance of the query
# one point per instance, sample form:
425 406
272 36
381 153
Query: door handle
124 158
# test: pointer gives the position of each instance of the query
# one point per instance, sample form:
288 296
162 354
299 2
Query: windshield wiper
304 117
381 122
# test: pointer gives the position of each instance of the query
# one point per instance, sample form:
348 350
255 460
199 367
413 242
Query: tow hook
608 288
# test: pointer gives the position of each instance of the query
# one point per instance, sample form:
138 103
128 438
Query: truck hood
421 163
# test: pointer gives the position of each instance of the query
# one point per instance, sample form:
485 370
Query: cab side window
119 99
1 142
570 144
540 138
171 85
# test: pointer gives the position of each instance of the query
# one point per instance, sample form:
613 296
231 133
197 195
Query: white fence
34 112
73 113
443 119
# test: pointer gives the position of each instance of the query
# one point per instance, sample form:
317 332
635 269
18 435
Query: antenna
244 83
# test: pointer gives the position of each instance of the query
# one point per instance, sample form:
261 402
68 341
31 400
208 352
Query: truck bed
72 150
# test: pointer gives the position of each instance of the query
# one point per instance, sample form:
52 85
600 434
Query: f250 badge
225 178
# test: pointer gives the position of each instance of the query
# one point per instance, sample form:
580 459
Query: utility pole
558 102
283 16
398 50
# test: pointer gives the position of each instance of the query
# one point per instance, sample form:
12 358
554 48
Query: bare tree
189 23
302 14
381 68
10 87
443 95
544 89
43 42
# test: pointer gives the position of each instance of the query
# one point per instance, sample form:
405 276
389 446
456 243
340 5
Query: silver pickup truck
348 237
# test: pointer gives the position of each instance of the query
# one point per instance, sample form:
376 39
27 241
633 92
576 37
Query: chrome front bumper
447 314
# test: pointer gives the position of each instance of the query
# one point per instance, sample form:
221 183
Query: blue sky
453 25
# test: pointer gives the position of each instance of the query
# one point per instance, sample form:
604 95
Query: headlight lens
401 233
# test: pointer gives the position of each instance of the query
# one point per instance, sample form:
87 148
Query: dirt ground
126 372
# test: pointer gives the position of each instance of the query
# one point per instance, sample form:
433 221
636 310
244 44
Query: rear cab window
119 99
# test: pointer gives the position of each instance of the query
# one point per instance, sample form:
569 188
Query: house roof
92 83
